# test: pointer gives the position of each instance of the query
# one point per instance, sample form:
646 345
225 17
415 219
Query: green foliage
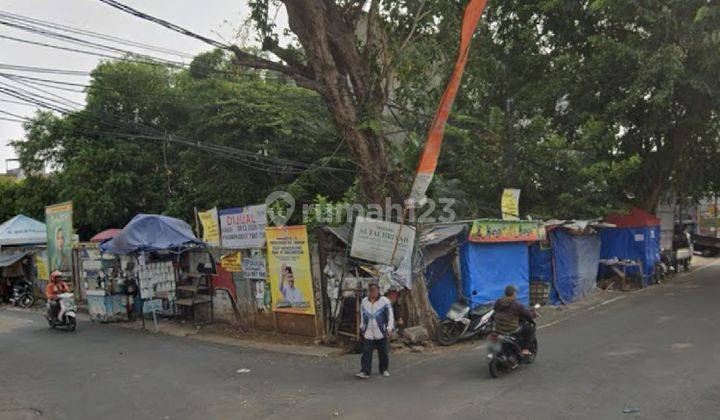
585 106
110 178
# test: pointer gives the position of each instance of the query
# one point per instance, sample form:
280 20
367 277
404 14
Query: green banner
58 219
490 231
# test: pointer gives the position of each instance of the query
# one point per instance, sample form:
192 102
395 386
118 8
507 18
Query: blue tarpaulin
488 268
632 243
442 285
10 258
151 232
541 267
485 271
573 273
22 230
576 265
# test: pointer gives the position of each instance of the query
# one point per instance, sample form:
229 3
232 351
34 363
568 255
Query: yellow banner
41 266
289 269
232 262
510 204
210 226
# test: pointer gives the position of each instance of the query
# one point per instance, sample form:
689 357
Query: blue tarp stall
485 270
576 260
22 230
9 258
636 236
150 232
488 268
569 264
442 285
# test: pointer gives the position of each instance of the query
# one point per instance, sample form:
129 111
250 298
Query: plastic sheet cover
576 265
151 232
488 268
632 243
442 285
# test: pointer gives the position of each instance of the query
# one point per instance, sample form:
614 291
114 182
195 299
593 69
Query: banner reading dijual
506 231
289 269
58 220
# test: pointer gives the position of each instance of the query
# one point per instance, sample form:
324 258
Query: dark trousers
54 308
368 347
525 335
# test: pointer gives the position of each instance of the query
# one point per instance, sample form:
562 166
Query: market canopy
105 235
8 259
635 218
22 230
151 232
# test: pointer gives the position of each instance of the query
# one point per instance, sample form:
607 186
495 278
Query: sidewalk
227 335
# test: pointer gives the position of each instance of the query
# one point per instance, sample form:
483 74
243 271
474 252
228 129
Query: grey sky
216 18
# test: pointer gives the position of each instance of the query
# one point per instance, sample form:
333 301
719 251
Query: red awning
636 218
105 235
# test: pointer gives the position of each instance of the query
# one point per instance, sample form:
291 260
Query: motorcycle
22 295
461 322
67 316
504 353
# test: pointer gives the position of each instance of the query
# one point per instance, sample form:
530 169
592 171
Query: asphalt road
657 351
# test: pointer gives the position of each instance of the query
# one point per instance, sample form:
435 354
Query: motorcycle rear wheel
495 368
71 323
533 349
27 301
449 332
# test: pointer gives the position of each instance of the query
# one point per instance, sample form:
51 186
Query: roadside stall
105 235
352 257
567 263
22 245
164 267
476 262
631 249
103 284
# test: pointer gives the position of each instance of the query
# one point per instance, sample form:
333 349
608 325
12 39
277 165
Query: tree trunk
350 89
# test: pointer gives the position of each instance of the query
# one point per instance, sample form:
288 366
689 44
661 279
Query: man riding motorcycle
53 290
508 316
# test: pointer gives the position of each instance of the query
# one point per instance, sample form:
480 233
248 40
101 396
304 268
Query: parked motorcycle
67 316
22 295
461 322
504 353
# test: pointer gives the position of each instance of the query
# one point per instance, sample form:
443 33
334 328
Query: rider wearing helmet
53 291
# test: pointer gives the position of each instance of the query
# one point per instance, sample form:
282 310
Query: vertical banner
243 227
510 204
289 269
210 226
58 220
431 152
41 265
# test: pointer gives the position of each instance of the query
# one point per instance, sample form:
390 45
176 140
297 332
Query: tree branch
245 59
290 56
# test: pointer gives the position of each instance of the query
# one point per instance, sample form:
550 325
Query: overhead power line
92 34
14 115
44 70
165 23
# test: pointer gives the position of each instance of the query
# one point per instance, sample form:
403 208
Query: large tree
114 159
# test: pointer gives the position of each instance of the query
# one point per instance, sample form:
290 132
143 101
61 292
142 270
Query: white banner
243 227
380 241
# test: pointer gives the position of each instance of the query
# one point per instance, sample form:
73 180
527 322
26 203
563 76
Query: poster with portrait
289 269
58 220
